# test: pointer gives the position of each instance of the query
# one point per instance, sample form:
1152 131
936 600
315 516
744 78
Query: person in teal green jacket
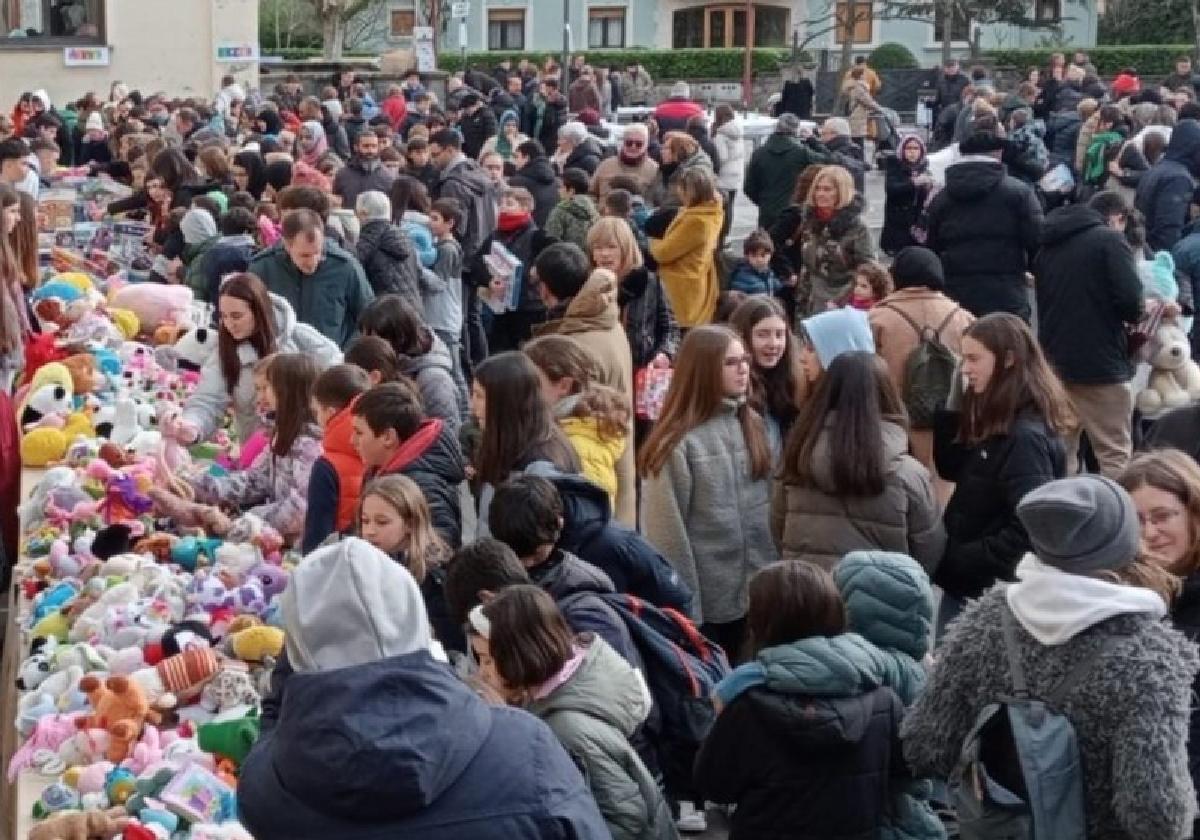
325 285
889 602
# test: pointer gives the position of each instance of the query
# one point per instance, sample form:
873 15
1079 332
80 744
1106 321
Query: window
606 28
402 22
506 29
960 28
1047 11
725 26
859 19
51 23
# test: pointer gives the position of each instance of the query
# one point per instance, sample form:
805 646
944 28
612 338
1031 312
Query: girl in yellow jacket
686 255
594 417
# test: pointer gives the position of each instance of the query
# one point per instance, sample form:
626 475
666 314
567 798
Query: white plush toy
1174 377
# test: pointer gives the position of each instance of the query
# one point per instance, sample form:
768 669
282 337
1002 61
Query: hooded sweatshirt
571 219
375 738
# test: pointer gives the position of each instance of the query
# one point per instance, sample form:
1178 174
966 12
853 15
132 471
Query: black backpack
928 371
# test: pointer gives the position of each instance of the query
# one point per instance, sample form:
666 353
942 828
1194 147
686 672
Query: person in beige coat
918 279
847 482
859 102
583 305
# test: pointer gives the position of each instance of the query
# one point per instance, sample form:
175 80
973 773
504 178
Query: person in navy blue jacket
545 510
374 737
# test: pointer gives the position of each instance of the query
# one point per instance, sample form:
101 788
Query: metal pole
748 65
563 84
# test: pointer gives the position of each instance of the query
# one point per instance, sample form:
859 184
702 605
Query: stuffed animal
82 367
1174 377
255 644
229 688
120 707
189 353
154 304
76 825
182 676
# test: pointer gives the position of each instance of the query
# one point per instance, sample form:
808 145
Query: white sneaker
691 820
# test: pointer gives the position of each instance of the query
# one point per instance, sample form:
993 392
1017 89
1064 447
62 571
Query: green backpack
928 371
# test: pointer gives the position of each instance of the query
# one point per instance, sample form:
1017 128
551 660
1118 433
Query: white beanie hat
95 122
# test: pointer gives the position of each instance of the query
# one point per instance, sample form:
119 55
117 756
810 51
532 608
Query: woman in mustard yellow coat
686 254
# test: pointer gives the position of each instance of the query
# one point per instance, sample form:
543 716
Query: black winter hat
981 142
917 266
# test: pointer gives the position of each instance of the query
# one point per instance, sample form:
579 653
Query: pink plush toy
146 752
49 733
155 304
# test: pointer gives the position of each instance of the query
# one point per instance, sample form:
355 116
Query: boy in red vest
337 476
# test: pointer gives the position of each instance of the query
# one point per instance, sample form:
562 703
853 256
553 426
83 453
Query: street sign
460 10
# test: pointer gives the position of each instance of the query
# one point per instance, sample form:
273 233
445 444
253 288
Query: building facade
537 25
70 47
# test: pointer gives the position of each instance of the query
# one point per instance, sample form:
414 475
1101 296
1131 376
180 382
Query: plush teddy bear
76 825
120 707
1174 377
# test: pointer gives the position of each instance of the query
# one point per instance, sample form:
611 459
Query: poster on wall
86 56
236 51
423 45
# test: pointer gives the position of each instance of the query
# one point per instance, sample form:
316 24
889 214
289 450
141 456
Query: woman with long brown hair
998 439
847 482
254 324
14 321
706 474
24 241
777 384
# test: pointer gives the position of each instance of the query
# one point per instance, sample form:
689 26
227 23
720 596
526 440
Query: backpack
1019 776
928 371
682 667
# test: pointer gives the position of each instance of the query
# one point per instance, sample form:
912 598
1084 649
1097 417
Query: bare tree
368 27
334 15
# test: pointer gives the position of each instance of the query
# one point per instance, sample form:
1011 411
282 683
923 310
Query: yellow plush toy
255 643
77 279
45 417
126 321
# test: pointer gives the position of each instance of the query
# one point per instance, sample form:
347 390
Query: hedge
892 56
305 53
660 64
1148 59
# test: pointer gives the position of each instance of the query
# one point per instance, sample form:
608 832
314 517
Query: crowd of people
532 423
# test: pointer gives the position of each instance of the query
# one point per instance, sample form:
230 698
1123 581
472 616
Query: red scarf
824 214
511 221
863 303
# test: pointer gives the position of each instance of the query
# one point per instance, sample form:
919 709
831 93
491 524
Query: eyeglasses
737 361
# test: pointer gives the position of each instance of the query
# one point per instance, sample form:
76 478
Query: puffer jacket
359 176
831 252
709 517
647 317
586 156
433 460
390 261
275 487
984 537
986 226
538 177
813 524
571 219
1130 711
593 714
593 321
476 194
686 263
1164 194
420 757
731 152
207 405
889 602
433 374
598 454
808 743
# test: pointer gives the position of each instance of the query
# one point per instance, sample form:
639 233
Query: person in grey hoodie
409 750
244 306
589 696
1082 593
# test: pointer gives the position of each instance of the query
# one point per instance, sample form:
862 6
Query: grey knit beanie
1081 525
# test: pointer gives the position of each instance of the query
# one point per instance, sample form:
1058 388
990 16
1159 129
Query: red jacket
395 109
340 452
673 114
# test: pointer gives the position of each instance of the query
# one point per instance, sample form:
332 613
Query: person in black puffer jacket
582 151
1164 194
986 226
387 256
996 442
536 174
